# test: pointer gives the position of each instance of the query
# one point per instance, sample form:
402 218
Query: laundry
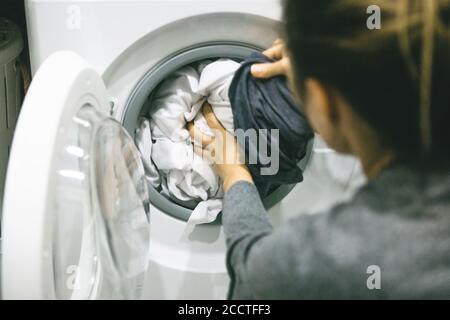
269 104
238 101
143 141
165 143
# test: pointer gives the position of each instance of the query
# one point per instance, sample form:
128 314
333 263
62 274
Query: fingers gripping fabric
269 104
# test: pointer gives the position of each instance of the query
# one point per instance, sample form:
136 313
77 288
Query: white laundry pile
165 143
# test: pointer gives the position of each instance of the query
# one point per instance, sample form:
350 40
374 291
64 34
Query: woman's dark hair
396 78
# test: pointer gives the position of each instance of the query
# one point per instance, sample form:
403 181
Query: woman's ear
320 107
323 109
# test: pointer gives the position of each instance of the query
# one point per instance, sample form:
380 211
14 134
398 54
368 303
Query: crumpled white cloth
143 141
165 143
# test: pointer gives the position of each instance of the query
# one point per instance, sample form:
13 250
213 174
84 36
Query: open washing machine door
76 208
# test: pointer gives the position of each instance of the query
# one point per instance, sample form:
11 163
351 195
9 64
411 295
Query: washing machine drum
138 106
76 210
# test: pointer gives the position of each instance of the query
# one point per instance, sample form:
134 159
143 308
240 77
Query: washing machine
79 219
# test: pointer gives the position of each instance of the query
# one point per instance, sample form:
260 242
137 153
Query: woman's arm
258 260
292 263
245 221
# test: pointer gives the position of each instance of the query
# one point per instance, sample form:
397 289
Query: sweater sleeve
330 254
300 260
254 257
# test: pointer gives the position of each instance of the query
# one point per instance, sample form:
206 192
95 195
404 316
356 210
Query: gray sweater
391 241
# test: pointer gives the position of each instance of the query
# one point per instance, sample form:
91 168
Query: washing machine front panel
76 222
124 41
100 30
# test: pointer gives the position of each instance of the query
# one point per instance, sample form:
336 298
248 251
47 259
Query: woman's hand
222 150
281 67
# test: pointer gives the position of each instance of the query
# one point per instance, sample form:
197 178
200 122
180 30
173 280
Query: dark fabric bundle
269 104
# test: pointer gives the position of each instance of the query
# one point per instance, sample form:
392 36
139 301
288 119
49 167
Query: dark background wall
14 10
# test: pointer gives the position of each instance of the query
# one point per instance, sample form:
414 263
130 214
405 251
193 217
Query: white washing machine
78 220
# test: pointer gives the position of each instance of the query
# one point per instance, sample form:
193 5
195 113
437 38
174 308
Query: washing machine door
76 210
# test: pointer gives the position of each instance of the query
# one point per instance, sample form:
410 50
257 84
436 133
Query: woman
383 96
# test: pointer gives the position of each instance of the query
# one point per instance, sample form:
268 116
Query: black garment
269 104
